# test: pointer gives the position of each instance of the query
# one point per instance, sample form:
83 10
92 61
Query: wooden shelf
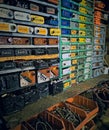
31 57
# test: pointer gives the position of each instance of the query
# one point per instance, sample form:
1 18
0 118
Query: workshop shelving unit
100 18
99 50
86 9
76 41
29 33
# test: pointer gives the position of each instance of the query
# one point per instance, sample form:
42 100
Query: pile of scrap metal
100 94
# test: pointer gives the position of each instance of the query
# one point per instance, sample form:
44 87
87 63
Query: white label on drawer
87 64
86 70
89 47
6 13
22 16
65 47
66 55
87 76
66 63
64 39
88 53
88 40
88 59
66 71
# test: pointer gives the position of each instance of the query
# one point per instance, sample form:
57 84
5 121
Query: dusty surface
44 103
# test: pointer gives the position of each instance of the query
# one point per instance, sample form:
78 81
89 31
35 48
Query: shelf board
69 51
79 57
16 70
27 46
97 67
71 36
25 35
78 36
30 23
84 29
31 57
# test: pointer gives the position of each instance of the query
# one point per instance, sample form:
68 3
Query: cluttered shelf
43 103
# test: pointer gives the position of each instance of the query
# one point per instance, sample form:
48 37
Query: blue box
52 22
66 3
65 31
65 23
66 14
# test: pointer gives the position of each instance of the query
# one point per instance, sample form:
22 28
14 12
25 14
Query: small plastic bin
46 116
52 121
89 106
68 124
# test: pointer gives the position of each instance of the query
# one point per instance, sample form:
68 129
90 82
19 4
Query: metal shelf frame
77 43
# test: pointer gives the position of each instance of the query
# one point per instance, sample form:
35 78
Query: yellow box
81 25
7 27
37 19
82 18
41 31
73 48
74 61
73 54
24 29
67 84
74 32
72 68
82 33
82 10
82 40
83 3
73 81
55 31
73 39
72 75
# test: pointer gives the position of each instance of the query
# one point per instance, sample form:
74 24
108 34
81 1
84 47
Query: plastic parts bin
68 124
90 107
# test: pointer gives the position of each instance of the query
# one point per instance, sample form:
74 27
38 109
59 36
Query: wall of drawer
99 49
29 50
76 41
